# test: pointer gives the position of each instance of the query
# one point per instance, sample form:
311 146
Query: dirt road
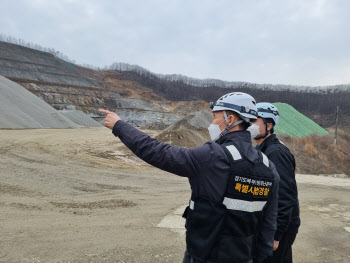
81 196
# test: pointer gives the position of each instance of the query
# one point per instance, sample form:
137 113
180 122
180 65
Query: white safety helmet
268 111
239 102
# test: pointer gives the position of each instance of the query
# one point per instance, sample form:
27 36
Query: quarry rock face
66 86
138 112
141 117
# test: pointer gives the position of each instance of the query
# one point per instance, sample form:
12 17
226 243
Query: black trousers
189 259
283 254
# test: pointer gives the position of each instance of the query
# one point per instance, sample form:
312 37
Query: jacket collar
243 141
236 136
267 142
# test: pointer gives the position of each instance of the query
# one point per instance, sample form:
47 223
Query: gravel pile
22 109
80 118
190 131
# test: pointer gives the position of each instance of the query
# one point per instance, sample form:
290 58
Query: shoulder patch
265 160
234 152
281 142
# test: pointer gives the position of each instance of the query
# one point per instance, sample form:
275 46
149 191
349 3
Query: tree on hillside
21 42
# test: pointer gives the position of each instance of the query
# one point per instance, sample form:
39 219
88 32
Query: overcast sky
304 42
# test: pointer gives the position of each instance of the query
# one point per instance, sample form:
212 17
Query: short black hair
244 125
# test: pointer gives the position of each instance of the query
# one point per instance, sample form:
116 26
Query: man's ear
269 126
231 119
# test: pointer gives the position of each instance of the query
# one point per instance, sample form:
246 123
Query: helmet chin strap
266 131
229 127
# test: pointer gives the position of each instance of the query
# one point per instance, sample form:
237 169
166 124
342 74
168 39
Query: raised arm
177 160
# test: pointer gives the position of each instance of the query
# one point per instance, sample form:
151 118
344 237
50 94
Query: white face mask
214 131
254 130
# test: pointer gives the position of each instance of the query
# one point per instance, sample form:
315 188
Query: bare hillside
64 85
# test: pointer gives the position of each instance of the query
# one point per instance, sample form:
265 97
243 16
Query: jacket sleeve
287 190
178 160
268 226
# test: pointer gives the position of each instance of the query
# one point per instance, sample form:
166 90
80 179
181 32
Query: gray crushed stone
80 118
19 109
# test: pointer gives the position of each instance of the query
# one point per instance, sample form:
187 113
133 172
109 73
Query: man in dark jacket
233 205
288 220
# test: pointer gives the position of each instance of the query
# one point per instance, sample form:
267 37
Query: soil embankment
189 131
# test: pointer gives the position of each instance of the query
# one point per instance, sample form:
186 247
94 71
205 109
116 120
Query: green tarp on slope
294 124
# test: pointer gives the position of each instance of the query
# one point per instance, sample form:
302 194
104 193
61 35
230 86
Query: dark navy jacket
209 164
288 219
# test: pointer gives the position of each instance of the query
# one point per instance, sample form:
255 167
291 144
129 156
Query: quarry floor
78 195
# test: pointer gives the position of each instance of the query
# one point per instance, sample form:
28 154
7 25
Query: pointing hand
111 119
